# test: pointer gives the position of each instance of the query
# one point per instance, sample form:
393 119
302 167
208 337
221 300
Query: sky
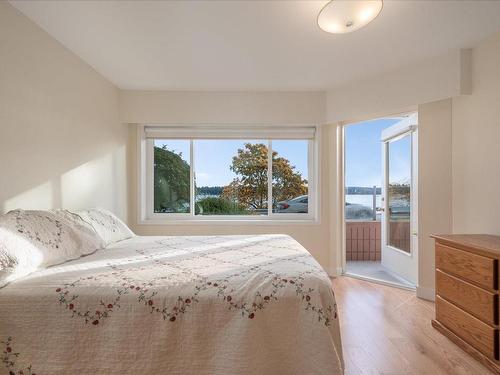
363 154
212 158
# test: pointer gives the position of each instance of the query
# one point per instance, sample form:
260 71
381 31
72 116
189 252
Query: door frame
340 230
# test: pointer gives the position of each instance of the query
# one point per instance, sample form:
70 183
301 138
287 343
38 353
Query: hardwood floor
386 330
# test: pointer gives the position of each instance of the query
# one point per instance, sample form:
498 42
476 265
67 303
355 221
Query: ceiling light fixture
345 16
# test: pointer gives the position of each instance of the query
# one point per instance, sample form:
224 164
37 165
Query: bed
175 305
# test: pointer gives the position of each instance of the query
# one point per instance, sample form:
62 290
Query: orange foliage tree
249 188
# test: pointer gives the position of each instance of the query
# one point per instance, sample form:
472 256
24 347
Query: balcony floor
375 270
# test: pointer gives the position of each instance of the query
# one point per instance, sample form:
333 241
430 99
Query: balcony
363 250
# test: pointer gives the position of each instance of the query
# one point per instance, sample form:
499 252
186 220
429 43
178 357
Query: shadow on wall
99 182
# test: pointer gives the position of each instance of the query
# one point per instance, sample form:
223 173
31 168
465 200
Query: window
172 182
204 173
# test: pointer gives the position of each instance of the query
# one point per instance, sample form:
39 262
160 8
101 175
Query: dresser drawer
475 268
475 332
476 301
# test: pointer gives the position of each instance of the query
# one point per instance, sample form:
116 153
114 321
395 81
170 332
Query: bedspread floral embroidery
260 301
104 308
147 293
10 358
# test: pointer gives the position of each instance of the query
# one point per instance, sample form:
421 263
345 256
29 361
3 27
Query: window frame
145 174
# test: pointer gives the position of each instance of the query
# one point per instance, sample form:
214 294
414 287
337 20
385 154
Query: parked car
295 205
357 211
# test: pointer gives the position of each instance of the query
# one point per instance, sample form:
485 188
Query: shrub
218 206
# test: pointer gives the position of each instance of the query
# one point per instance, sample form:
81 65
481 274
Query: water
365 200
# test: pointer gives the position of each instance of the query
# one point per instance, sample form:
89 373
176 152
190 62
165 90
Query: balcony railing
363 240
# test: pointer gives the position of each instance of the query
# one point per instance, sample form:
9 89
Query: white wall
223 107
61 141
400 90
434 186
476 145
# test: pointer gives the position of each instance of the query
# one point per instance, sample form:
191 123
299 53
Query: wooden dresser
467 294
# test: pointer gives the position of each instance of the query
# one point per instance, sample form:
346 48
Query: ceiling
253 45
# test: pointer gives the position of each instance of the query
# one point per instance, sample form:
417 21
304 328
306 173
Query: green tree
171 181
249 188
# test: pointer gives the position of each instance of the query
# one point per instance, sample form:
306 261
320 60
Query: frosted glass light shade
345 16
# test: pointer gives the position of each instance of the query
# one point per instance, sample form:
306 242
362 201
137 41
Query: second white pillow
106 224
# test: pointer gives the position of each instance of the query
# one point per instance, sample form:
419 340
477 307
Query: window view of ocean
360 207
365 200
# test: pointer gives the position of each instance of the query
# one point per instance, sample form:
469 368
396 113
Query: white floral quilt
175 305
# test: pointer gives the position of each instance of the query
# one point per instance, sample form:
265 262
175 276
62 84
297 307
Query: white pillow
85 233
107 225
30 240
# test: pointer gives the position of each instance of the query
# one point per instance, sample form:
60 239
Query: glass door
399 237
399 192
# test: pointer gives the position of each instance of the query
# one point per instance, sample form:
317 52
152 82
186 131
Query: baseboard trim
333 272
378 281
426 293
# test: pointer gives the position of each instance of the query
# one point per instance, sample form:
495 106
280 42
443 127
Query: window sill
224 221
